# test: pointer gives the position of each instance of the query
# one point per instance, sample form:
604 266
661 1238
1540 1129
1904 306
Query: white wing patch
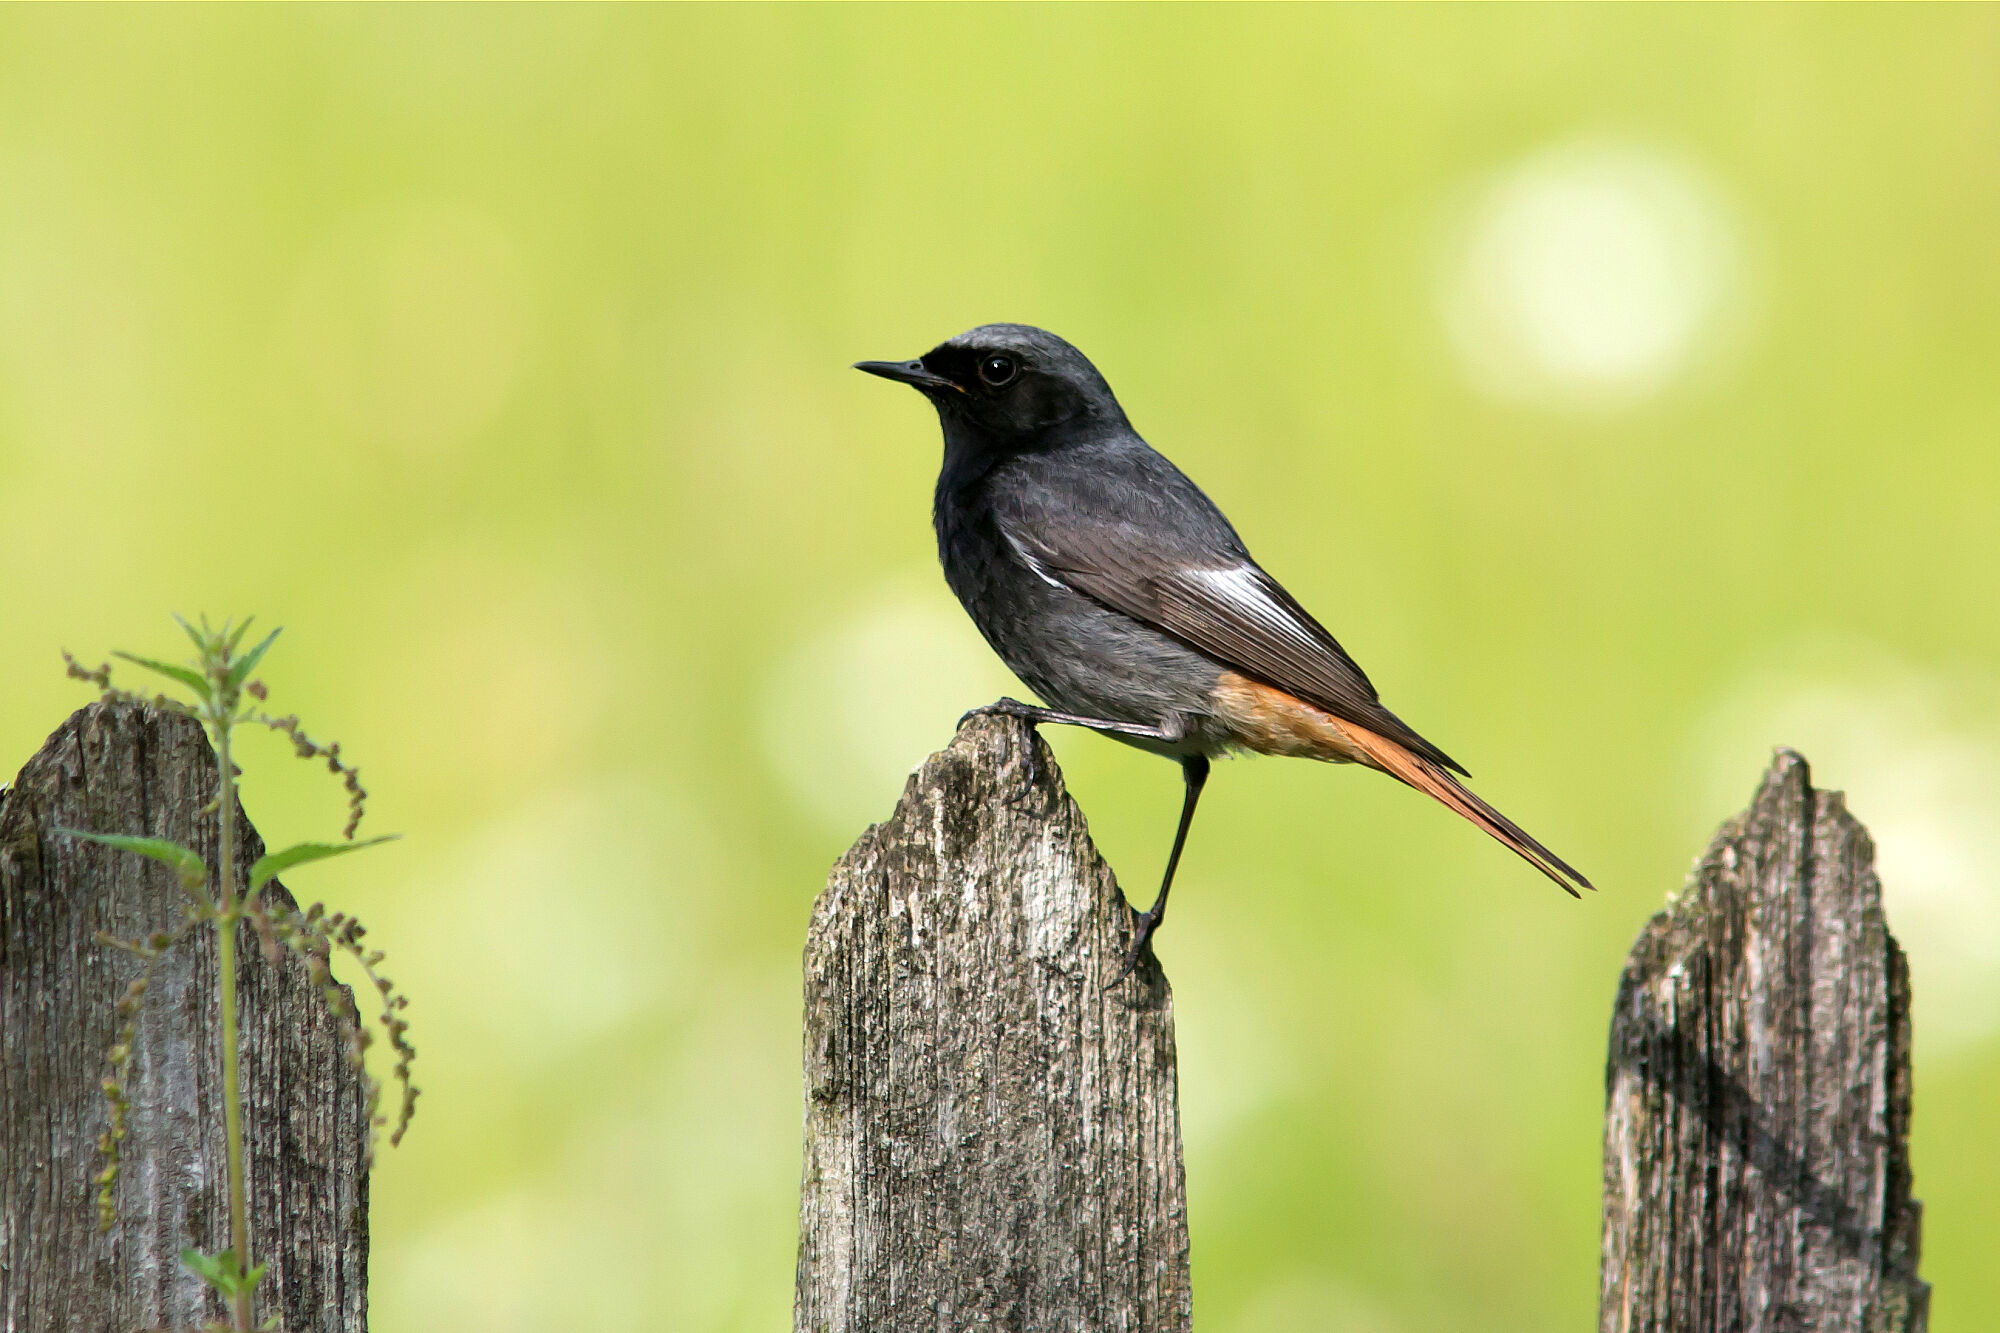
1237 584
1243 587
1028 558
1247 589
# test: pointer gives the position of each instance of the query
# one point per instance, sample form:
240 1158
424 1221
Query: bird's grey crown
1012 337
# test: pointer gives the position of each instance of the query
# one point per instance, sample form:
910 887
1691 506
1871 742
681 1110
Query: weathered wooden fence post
1756 1165
128 769
992 1138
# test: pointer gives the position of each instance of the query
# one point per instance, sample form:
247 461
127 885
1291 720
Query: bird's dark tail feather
1416 771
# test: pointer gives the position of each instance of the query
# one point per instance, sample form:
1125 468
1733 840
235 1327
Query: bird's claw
1142 946
998 708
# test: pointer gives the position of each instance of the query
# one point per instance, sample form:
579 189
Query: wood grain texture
1756 1165
992 1138
128 769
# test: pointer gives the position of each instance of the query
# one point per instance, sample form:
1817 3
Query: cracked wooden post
1756 1145
991 1138
125 768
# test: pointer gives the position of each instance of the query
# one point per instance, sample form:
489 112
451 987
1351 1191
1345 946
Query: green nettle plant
224 696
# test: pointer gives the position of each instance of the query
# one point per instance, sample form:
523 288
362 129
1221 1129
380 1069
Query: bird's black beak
907 372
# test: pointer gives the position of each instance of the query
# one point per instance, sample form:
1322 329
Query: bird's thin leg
1030 713
1194 772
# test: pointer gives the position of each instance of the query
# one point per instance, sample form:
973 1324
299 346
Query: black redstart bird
1119 593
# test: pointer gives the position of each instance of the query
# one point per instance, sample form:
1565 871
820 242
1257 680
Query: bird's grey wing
1165 556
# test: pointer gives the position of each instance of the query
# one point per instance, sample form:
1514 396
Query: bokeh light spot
1589 275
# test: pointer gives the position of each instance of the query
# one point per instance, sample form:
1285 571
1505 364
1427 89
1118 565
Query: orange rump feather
1270 721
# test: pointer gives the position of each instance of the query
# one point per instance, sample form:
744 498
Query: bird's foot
1003 708
1144 924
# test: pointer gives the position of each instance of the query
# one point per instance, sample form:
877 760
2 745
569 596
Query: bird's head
1009 383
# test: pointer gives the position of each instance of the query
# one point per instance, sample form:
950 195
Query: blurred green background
1620 384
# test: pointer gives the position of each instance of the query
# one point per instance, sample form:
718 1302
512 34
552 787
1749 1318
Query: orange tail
1270 721
1416 771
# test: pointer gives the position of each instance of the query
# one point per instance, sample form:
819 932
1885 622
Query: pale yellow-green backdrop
1622 385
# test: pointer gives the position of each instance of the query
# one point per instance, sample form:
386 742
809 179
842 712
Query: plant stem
225 951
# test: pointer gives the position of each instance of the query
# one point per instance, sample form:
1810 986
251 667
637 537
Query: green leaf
217 1270
272 864
236 639
241 671
222 1272
200 643
193 870
192 679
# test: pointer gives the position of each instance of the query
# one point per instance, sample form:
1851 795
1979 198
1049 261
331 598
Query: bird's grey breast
1077 654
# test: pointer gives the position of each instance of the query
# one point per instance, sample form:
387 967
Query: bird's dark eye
997 370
